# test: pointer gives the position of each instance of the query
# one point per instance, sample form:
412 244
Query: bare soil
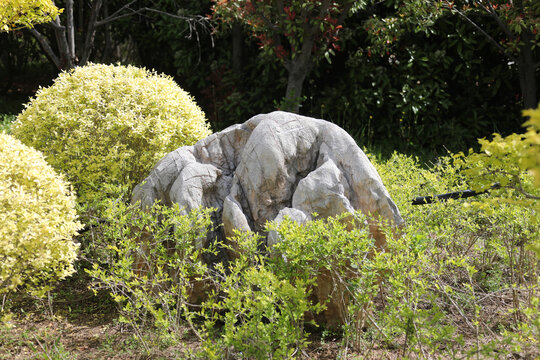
76 324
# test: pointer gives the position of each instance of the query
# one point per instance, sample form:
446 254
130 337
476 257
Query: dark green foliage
428 92
440 88
447 89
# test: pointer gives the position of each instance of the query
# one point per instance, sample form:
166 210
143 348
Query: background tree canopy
404 75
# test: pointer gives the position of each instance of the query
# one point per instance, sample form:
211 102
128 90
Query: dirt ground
47 338
76 324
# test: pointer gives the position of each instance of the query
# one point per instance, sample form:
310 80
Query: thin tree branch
55 25
192 21
46 47
524 193
482 6
324 8
280 7
199 19
460 311
501 24
42 347
111 19
345 12
486 35
266 21
91 32
114 14
276 30
108 40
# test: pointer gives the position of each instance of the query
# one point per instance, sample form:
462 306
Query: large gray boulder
273 165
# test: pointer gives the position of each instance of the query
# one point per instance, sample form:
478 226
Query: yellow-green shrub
531 157
512 162
37 220
16 14
105 124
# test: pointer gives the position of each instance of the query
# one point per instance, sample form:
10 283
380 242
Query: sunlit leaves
509 162
16 14
37 220
447 260
109 125
531 155
153 264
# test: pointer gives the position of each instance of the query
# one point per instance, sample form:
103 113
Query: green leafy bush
463 256
512 162
460 279
157 274
37 220
154 268
532 138
255 312
109 125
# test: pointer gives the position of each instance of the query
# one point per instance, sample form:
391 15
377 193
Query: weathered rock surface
272 165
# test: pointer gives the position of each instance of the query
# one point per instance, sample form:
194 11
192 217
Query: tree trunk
298 69
237 44
526 66
527 74
90 32
70 38
70 31
60 32
107 52
295 82
46 47
8 62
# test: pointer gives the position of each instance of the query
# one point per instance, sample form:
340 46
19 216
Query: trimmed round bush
37 220
109 125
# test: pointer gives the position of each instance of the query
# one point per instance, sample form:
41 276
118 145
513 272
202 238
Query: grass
73 323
